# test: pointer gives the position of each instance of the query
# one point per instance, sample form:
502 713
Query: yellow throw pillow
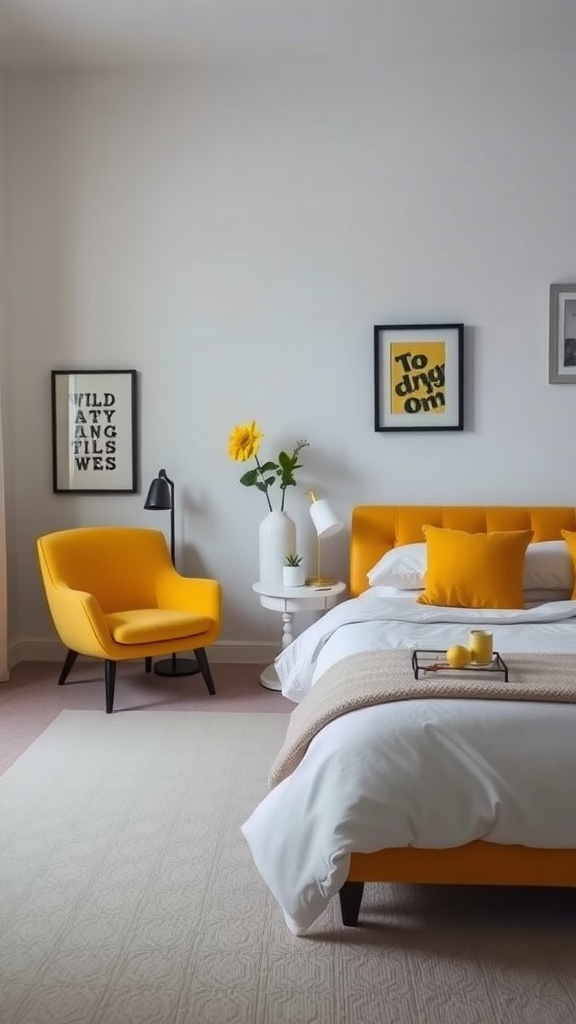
474 570
570 539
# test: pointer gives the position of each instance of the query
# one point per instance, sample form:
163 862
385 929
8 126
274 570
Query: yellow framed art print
418 377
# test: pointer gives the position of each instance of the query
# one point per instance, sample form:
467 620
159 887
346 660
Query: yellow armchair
114 593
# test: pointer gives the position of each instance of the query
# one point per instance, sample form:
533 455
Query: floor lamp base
177 667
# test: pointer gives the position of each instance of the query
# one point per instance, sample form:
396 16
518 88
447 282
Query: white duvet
427 773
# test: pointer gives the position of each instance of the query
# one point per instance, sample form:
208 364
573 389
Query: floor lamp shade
326 523
160 498
160 493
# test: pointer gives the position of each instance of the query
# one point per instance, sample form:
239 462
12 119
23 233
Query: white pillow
547 566
401 567
400 593
534 597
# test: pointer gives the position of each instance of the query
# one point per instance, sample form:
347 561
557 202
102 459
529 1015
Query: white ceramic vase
277 538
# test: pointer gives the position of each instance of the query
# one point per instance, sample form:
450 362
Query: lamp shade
159 495
325 520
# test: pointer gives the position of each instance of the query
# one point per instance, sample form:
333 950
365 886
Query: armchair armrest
187 593
80 621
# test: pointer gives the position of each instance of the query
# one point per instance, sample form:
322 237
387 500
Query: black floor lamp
160 498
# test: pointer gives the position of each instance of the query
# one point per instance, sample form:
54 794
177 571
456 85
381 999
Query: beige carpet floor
31 699
127 894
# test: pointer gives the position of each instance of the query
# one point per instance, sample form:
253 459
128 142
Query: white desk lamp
326 523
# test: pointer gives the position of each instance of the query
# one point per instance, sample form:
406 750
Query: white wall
3 392
3 247
234 236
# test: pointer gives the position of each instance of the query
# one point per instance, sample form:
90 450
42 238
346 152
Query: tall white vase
277 538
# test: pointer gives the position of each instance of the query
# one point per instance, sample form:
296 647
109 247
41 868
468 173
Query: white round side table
288 601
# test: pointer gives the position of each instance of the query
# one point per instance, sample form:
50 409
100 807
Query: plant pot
293 575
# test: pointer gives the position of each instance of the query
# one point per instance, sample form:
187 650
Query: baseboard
236 652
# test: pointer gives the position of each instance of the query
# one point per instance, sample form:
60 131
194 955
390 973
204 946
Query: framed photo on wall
418 377
562 353
94 431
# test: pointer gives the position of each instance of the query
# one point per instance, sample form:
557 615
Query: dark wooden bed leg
350 899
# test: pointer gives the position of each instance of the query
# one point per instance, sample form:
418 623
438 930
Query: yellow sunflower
244 442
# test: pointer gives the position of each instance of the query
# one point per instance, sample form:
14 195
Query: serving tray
426 661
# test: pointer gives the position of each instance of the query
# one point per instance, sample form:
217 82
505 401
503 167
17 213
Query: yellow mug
481 646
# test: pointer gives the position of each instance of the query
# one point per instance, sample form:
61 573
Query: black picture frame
418 377
562 338
94 431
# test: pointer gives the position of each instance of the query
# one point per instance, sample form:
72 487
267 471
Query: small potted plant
293 574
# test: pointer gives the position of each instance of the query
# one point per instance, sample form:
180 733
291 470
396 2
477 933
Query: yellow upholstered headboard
377 528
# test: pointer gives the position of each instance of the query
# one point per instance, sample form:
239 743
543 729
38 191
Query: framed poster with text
418 377
94 431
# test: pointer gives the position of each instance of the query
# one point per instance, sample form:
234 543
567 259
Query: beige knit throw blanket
377 677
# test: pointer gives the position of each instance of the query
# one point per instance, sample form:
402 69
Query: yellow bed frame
375 530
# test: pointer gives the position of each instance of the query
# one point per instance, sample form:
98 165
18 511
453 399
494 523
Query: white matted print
562 344
94 431
418 377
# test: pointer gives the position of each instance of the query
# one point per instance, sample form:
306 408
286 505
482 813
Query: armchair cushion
147 625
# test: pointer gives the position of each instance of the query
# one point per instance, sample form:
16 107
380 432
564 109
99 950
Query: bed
525 830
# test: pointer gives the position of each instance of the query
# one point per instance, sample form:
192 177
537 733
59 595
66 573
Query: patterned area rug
128 895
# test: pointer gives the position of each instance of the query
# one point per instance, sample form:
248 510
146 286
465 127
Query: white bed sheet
371 779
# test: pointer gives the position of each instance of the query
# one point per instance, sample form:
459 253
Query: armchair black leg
200 655
350 899
110 679
68 662
148 664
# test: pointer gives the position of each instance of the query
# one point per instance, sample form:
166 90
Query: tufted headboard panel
377 528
